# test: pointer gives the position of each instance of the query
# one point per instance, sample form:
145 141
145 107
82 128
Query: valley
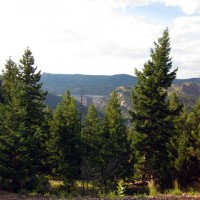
95 89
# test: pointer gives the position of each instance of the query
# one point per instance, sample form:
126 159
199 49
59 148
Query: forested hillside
72 151
79 84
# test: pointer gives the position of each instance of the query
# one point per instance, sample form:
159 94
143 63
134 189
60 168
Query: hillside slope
79 84
188 93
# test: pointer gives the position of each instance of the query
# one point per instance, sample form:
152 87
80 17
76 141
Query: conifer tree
34 117
91 146
151 115
65 130
187 163
116 162
9 79
22 118
12 165
34 96
177 119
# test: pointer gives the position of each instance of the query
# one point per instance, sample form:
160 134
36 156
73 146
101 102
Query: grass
57 188
153 191
176 190
55 184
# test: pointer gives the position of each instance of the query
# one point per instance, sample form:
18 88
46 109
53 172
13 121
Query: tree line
37 144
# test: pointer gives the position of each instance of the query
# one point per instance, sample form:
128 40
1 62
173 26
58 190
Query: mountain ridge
81 84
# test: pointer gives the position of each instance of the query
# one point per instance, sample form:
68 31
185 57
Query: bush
39 184
43 185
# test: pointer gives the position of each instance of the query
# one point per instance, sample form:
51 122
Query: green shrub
176 190
120 188
153 190
43 185
112 195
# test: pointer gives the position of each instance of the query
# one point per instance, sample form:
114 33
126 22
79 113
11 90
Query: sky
103 37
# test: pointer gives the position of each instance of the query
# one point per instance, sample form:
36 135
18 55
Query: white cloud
185 42
91 36
75 36
188 6
125 3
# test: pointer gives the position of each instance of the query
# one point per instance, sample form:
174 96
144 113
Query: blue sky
99 36
157 12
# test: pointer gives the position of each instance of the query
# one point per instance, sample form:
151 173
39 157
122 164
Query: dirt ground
12 196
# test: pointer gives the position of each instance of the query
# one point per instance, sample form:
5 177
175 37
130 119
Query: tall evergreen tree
34 118
151 114
116 152
91 146
34 96
22 120
65 130
11 126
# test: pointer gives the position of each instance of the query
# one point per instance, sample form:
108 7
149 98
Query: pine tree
22 118
151 114
9 79
11 126
177 118
33 120
34 96
116 162
91 146
65 132
187 162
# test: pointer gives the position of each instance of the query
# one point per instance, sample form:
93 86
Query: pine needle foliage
151 114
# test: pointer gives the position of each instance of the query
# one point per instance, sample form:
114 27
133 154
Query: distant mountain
97 89
190 80
102 85
79 84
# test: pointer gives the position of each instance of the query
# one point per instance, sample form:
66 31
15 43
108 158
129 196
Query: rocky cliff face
191 89
187 93
187 88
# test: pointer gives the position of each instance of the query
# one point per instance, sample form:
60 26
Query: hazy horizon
104 75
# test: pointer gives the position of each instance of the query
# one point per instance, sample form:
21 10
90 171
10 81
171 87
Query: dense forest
92 155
